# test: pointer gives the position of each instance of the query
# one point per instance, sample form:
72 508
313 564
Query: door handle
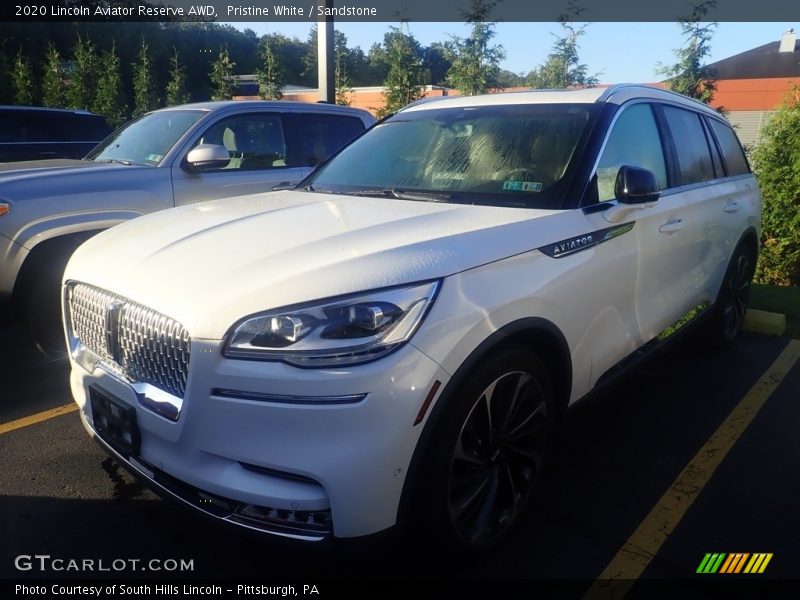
672 226
731 207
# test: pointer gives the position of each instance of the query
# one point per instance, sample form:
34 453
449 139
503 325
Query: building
753 84
369 98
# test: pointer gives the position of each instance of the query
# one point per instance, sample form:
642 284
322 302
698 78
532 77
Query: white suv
397 337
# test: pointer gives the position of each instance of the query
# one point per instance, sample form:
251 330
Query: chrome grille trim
134 341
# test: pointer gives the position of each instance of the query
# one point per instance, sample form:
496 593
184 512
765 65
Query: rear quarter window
732 153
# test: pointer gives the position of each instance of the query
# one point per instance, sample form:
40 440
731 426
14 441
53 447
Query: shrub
776 161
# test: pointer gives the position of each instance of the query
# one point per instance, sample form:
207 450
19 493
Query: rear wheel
495 441
731 305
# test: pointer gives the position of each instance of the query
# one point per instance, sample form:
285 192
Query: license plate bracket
115 422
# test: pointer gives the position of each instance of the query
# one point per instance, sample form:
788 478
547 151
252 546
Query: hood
210 264
47 168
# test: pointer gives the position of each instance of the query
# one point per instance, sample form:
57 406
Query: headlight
336 332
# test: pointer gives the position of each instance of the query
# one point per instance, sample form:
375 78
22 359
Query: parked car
396 338
35 133
174 156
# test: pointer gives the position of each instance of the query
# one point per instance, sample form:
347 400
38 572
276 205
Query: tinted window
80 127
21 126
694 157
634 141
253 141
317 137
733 155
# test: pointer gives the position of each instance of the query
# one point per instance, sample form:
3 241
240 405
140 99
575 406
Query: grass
779 299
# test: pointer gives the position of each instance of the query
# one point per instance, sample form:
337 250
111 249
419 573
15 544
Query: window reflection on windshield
146 140
503 155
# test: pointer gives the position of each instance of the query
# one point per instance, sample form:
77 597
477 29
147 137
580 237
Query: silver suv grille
135 341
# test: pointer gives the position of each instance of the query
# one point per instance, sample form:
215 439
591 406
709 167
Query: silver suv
170 157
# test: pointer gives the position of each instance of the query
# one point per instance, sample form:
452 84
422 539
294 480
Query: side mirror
208 156
636 186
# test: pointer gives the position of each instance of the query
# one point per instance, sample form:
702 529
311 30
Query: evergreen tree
5 80
475 62
222 84
689 76
22 79
144 97
53 89
269 74
404 79
109 100
341 71
82 75
176 92
563 68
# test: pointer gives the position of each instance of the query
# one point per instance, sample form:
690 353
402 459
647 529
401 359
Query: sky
617 52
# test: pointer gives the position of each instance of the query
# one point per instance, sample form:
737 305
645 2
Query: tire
727 317
38 296
490 447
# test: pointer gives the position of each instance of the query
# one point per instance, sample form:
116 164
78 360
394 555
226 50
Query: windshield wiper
116 161
401 194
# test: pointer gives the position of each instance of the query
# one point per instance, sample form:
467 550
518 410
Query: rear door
700 245
258 150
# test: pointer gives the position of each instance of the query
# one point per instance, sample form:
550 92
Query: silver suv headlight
335 332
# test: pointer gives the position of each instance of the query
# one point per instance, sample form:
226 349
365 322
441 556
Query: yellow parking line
634 557
38 417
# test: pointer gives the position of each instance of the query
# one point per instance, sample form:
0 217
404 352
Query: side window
253 141
634 141
21 126
732 152
694 157
318 136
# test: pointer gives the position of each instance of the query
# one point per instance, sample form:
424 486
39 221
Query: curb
761 321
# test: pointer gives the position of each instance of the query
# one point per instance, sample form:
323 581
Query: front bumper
242 439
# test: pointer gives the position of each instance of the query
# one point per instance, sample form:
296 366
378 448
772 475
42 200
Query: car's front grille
135 341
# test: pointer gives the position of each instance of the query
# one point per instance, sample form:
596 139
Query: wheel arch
542 337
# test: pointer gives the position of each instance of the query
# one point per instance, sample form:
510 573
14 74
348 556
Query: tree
22 80
776 161
176 92
341 70
269 74
435 63
475 63
109 100
144 97
404 78
82 75
53 79
222 84
689 76
563 68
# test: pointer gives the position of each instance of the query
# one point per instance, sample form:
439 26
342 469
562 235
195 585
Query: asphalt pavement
619 453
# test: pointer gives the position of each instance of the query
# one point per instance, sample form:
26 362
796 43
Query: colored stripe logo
737 562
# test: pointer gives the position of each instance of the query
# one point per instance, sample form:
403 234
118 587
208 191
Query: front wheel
495 441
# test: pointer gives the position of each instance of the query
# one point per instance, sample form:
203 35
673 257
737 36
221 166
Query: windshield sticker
522 186
154 157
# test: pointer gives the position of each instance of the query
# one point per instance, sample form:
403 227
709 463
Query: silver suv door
257 145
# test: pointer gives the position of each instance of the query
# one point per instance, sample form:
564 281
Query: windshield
516 155
146 140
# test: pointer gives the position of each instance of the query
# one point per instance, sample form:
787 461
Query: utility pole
325 56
